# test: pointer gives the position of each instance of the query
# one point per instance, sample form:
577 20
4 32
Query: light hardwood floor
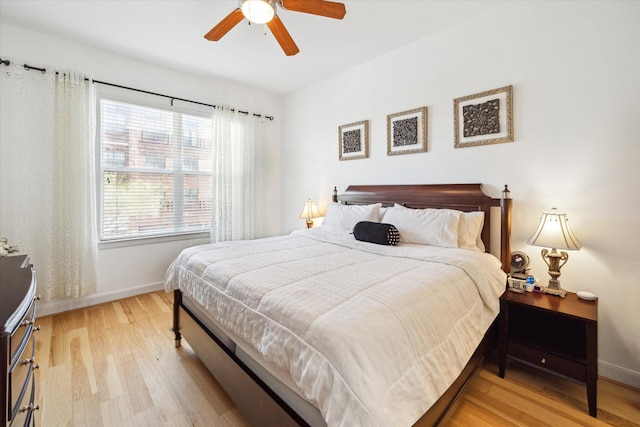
114 364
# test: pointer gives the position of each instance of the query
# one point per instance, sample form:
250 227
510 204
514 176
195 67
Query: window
190 163
156 171
154 137
114 158
155 161
190 133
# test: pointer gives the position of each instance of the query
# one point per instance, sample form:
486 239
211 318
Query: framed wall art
484 118
353 140
407 132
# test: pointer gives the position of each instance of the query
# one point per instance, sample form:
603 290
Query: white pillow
470 230
383 209
435 227
347 216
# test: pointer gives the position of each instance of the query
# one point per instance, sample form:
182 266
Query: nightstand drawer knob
543 360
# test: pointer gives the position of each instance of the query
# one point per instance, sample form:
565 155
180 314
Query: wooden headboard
462 197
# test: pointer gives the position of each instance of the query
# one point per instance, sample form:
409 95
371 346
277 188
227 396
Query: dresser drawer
20 337
24 413
544 359
19 376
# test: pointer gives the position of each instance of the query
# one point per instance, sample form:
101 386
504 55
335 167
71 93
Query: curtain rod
173 98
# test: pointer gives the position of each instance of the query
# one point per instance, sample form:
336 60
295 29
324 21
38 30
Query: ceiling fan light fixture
258 11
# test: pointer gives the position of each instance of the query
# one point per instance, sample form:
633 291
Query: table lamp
309 211
554 232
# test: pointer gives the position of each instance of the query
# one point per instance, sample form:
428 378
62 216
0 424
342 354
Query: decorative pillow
347 216
375 232
470 229
435 227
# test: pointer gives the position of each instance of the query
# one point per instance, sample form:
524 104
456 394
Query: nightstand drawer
547 360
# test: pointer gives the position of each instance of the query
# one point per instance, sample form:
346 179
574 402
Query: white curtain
237 181
47 176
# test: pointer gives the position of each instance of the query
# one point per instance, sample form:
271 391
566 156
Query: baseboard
46 308
619 374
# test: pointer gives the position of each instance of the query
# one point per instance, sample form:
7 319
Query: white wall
575 68
129 270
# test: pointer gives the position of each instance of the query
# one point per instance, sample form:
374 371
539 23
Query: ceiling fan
264 12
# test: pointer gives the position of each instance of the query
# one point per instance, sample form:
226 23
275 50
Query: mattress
369 335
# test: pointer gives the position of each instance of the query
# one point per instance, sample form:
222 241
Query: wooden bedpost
505 232
177 300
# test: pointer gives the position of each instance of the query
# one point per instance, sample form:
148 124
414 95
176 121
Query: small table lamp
309 211
554 232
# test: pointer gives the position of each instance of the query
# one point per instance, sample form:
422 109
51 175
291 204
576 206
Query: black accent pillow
376 232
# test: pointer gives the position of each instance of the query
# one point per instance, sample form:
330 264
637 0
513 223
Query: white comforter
372 335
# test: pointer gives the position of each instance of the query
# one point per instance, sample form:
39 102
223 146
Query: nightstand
557 334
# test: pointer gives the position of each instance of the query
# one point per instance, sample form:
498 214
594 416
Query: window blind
157 171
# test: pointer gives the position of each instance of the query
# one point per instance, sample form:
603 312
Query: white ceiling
171 33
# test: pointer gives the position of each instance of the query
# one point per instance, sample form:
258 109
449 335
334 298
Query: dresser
17 357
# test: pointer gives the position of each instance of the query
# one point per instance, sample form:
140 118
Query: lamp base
309 223
554 261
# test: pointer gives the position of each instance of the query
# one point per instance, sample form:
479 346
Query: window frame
178 191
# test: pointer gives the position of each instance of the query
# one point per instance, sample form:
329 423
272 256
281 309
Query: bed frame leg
177 301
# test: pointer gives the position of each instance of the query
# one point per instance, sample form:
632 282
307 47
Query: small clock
519 264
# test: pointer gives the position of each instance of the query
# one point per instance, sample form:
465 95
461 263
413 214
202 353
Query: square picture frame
484 118
353 140
407 132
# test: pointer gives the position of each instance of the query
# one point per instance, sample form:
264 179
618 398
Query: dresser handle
30 407
543 360
27 361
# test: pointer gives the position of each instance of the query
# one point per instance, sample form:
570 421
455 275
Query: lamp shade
554 232
309 210
258 11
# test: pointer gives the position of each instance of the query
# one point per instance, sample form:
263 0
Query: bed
319 328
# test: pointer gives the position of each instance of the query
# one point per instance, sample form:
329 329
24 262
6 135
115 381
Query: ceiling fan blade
282 36
329 9
224 26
